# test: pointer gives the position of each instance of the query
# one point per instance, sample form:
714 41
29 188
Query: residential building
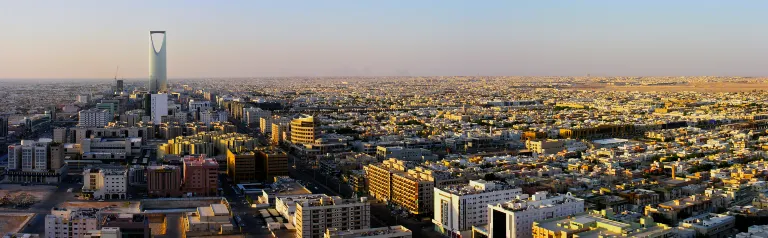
164 180
94 118
280 130
252 116
459 207
515 218
412 189
71 223
314 216
200 175
105 182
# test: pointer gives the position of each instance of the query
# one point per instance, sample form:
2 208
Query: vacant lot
13 222
39 192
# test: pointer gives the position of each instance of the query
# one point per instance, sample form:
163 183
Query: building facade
314 216
457 208
515 218
94 118
200 175
164 180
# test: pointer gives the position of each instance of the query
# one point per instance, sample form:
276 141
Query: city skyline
87 40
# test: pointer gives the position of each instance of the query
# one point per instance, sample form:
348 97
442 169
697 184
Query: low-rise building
105 182
378 232
67 223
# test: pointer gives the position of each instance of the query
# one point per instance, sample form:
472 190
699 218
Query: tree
490 177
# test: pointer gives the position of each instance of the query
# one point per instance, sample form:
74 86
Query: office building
119 86
314 216
3 127
271 163
70 223
106 182
158 81
515 218
401 153
378 232
164 180
94 118
61 135
304 130
241 166
459 207
113 147
34 162
158 107
200 175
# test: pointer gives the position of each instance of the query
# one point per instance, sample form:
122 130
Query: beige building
412 189
304 130
545 146
209 219
314 216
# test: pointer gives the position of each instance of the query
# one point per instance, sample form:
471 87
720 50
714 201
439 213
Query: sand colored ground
40 192
13 222
694 87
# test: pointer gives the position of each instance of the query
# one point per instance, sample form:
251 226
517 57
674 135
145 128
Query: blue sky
87 39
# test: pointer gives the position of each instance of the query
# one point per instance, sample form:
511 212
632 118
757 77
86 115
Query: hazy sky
87 39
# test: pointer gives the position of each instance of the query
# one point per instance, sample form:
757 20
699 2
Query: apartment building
253 116
412 189
280 131
378 232
200 175
105 183
94 118
459 207
304 130
35 162
71 223
515 218
164 180
314 216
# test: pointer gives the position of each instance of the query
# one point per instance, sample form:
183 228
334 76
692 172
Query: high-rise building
241 166
314 216
119 86
200 175
94 118
3 128
515 218
158 81
279 130
158 107
459 207
164 180
304 130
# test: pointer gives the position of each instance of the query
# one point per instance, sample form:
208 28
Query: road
254 227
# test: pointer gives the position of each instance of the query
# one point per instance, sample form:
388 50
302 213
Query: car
101 200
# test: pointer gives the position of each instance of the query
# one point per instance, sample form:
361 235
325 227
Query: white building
711 225
83 98
158 107
214 218
106 183
127 146
459 207
314 216
212 116
105 232
66 223
253 115
515 218
286 205
94 118
29 155
199 106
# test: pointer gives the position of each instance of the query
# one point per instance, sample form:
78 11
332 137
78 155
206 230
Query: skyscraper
158 81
